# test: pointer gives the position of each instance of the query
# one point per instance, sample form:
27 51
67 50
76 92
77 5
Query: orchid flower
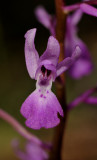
41 108
84 65
32 151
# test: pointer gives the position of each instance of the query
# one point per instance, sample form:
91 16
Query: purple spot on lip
47 92
39 90
41 95
44 97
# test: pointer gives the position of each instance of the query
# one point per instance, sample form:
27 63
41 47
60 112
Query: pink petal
76 17
52 52
46 19
31 55
88 9
41 110
43 16
67 62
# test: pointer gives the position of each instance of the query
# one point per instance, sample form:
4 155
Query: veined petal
67 62
52 52
31 55
41 109
88 9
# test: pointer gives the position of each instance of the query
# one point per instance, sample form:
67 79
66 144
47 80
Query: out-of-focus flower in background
31 151
84 65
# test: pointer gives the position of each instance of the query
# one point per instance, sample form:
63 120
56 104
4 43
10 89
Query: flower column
60 82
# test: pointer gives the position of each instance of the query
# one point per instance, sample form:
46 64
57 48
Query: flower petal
32 151
18 152
52 52
88 9
76 16
41 110
43 16
64 65
31 55
76 6
36 152
67 62
46 19
81 67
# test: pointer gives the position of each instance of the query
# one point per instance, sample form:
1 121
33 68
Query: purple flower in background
85 6
84 97
46 19
32 151
91 100
41 108
49 21
84 65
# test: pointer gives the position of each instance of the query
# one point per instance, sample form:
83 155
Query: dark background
16 17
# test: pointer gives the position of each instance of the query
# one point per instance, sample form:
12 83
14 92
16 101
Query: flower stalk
21 130
60 82
85 97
